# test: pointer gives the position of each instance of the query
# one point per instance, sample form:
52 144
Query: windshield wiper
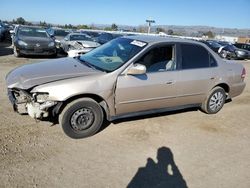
90 65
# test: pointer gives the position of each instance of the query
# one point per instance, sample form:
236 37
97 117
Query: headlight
51 44
41 97
22 43
241 53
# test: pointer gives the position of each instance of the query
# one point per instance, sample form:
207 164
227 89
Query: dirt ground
184 148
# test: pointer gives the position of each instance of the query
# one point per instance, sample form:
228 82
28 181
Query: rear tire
214 101
81 118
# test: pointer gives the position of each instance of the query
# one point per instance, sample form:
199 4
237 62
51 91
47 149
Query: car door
153 90
198 74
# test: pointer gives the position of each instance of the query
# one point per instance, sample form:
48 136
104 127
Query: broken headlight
41 97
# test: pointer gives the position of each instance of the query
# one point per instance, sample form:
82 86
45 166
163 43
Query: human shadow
164 174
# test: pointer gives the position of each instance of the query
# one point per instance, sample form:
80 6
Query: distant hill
193 31
197 31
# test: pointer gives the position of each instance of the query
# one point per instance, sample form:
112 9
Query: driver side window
159 59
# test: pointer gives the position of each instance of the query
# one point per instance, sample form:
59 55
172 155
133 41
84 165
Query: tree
107 28
43 24
159 29
170 32
82 27
114 27
142 29
21 21
209 34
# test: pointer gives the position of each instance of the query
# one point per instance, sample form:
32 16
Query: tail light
243 73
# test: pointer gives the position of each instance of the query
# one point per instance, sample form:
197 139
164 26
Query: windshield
113 54
214 44
80 37
231 47
32 32
61 33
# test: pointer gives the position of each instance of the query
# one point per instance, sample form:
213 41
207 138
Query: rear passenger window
194 56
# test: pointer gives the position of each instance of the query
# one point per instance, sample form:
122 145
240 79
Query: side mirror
137 69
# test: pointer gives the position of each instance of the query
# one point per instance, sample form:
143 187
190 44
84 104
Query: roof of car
78 34
156 39
30 26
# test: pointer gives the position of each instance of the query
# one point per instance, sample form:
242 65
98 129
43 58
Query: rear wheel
81 118
215 101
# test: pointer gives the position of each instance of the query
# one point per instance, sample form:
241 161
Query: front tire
81 118
215 101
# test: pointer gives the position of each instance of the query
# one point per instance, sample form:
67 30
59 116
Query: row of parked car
237 51
33 40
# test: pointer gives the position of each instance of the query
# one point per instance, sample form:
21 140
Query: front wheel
81 118
215 101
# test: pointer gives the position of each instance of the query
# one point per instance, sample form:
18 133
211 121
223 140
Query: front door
136 93
154 90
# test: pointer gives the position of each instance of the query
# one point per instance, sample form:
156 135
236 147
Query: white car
78 43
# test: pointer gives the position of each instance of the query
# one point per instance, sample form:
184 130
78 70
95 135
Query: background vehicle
106 37
231 52
213 45
58 34
128 76
29 40
243 46
4 31
92 34
79 42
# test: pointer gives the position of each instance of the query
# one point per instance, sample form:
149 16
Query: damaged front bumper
25 103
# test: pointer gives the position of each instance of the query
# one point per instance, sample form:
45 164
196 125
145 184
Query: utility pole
149 21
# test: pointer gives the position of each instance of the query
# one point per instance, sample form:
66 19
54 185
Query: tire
223 54
16 53
81 118
214 101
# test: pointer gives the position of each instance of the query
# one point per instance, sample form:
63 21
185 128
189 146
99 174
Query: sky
216 13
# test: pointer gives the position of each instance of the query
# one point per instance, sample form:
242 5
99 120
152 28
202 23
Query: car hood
28 76
87 44
35 40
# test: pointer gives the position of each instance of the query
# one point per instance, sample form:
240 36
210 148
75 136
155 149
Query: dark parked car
59 34
29 40
243 46
213 45
3 31
106 37
231 52
92 34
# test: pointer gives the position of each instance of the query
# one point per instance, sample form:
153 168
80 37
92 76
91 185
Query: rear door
198 74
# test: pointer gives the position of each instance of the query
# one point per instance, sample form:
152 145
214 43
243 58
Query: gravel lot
184 148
